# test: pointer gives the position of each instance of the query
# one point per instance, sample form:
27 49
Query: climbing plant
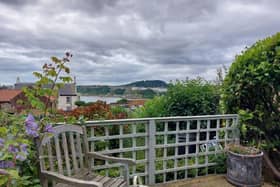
19 132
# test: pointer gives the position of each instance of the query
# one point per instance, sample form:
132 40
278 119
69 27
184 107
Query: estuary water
108 100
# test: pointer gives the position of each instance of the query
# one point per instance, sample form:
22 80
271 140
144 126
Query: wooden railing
165 149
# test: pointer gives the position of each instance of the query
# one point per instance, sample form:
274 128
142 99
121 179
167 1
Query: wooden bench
65 160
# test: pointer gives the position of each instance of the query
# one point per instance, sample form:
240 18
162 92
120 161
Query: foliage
147 93
183 98
220 159
252 85
13 146
18 156
192 97
239 149
94 111
119 91
155 107
122 101
97 110
80 103
119 112
149 84
127 89
94 90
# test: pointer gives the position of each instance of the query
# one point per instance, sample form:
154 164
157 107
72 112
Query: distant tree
122 101
192 97
100 90
155 107
184 98
119 91
119 112
80 103
148 93
149 84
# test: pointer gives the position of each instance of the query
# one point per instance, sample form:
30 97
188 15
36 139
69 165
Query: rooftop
8 95
67 90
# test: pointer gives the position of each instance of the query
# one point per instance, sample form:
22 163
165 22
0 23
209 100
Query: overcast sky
119 41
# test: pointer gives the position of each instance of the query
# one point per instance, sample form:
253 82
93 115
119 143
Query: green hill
148 84
151 88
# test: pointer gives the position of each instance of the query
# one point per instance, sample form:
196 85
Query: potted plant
244 166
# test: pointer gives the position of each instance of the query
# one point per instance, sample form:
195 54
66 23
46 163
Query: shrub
80 103
252 88
192 97
184 98
155 107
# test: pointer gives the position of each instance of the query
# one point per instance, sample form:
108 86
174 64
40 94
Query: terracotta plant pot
244 170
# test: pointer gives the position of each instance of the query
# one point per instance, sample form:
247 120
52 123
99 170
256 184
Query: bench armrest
113 159
69 180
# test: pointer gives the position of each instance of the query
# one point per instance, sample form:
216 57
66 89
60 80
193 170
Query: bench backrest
64 151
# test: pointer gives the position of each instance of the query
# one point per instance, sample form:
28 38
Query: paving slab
205 181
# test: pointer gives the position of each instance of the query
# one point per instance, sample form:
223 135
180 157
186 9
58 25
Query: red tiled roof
8 95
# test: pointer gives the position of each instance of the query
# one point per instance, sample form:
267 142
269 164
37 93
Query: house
67 95
9 99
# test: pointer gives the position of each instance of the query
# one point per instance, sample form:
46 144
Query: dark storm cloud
17 3
118 41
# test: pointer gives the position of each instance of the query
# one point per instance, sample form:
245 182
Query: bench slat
80 151
58 155
66 155
73 152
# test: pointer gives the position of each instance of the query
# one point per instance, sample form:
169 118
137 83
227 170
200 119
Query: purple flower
23 148
3 172
20 157
2 141
31 126
49 128
12 149
6 164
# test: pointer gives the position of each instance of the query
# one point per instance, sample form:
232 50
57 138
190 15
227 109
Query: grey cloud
117 41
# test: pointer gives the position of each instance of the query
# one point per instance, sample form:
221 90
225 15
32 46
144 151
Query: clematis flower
12 149
49 128
31 126
23 148
6 164
21 157
2 141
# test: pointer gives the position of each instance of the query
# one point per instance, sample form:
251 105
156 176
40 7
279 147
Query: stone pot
244 170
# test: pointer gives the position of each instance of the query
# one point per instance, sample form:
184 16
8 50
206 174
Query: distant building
67 95
9 100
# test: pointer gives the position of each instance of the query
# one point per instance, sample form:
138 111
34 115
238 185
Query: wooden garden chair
66 161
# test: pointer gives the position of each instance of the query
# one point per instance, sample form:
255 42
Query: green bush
184 98
155 107
251 88
192 97
80 103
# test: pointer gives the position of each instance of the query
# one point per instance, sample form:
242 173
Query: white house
67 95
